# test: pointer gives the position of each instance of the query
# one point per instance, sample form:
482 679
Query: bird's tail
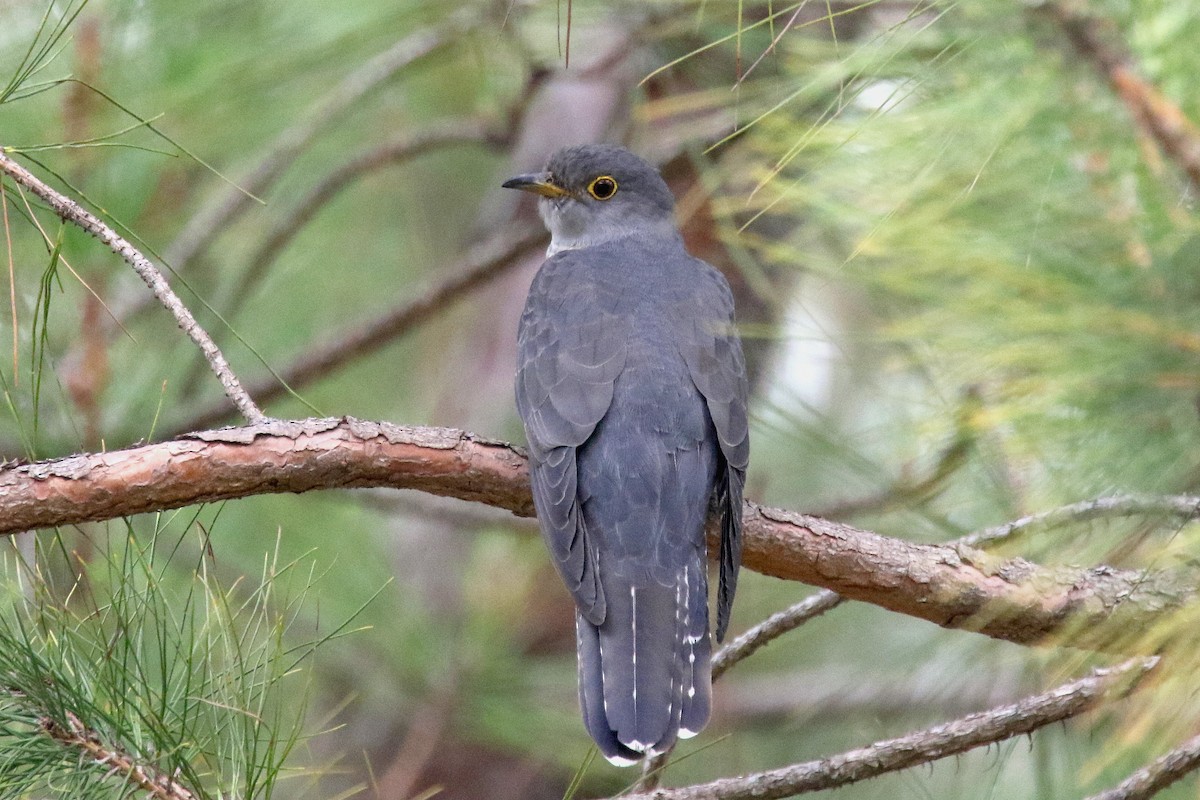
645 676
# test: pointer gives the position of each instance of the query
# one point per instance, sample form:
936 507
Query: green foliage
993 200
943 202
142 659
43 47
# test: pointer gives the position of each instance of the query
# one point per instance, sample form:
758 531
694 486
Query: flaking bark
955 587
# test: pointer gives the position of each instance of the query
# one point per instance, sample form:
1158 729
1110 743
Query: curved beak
538 183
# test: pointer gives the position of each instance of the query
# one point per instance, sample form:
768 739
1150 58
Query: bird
631 385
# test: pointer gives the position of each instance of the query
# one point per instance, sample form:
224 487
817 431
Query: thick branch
72 212
956 587
976 730
1179 507
276 456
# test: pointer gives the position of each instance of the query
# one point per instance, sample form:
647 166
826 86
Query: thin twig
773 627
12 281
485 262
1159 117
74 213
1156 776
401 149
208 223
149 779
909 491
1183 507
744 646
975 730
286 229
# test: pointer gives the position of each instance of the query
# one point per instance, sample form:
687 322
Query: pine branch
1158 775
1184 507
1159 118
214 218
74 734
772 628
72 212
487 261
1180 507
953 586
976 730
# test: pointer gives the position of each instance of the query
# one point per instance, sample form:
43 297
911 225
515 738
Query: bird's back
644 475
632 388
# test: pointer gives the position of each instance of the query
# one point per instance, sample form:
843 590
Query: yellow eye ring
603 188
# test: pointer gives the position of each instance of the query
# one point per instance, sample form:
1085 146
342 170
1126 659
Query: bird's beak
538 183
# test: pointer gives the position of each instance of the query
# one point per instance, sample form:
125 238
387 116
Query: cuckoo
632 388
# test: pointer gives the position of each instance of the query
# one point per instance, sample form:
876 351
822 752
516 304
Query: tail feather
645 674
637 654
729 501
695 654
591 695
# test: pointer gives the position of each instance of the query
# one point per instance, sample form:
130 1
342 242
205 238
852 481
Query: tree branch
1154 777
398 150
72 212
772 628
485 262
1182 507
88 743
1025 716
955 587
959 587
1158 117
205 225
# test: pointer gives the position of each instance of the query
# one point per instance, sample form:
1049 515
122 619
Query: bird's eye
603 187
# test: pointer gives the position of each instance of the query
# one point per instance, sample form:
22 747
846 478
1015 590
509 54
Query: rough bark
955 587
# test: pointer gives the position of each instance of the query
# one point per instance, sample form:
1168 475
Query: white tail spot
633 604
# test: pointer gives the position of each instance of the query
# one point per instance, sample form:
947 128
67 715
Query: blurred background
968 277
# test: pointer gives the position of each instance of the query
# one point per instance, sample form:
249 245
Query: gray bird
632 387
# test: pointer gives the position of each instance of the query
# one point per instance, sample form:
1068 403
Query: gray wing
568 360
713 352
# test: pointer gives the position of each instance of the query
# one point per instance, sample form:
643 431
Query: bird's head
595 193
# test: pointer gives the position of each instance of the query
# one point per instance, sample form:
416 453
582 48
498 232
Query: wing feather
713 352
568 360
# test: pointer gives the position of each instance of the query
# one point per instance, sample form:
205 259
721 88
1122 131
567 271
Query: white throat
572 226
